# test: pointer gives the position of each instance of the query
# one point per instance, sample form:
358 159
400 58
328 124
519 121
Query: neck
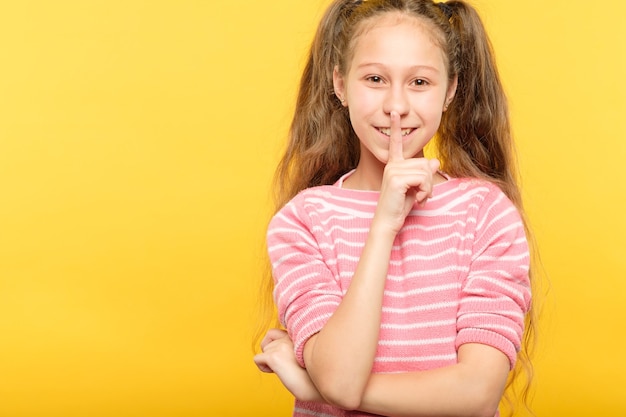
359 181
367 176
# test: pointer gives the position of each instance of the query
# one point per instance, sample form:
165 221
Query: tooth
387 131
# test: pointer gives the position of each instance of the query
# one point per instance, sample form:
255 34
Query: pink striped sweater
458 273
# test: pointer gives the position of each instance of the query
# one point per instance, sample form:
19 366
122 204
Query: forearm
339 358
472 387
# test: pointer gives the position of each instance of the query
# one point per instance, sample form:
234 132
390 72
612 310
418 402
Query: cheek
435 118
430 112
431 107
362 99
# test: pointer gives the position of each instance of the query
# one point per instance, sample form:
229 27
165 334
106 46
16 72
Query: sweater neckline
340 181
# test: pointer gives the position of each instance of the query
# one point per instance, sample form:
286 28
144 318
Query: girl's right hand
278 357
405 182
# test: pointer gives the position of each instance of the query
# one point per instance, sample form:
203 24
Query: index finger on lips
395 139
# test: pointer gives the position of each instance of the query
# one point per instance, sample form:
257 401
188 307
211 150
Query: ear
339 86
451 92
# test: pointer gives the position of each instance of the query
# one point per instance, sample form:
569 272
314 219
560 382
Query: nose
396 99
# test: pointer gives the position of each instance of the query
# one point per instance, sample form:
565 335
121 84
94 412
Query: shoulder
470 194
329 200
478 187
497 219
483 202
299 209
308 199
315 195
494 201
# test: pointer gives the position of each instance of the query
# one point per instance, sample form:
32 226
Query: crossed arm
472 387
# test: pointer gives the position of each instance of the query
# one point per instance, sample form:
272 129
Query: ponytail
475 133
475 140
322 145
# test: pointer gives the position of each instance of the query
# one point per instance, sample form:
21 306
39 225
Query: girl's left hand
405 181
278 357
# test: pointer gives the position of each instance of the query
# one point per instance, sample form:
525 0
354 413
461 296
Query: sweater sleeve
495 295
306 292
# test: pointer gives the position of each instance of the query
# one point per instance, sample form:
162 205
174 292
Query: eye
375 79
419 82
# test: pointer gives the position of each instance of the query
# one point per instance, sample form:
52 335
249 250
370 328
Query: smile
387 131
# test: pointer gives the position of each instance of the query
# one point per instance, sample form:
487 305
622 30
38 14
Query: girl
402 282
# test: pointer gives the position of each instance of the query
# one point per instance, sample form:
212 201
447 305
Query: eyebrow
414 67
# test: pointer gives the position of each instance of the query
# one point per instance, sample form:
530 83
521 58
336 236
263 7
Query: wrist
382 230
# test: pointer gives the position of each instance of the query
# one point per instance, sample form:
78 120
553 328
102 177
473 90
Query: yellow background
137 142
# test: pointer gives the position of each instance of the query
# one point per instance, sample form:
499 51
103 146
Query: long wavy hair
474 138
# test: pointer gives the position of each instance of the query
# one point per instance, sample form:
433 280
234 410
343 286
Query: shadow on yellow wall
137 142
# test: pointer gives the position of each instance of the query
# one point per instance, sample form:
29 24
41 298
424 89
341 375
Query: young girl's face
395 66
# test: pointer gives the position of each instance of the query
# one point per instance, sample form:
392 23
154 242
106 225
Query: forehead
392 18
398 38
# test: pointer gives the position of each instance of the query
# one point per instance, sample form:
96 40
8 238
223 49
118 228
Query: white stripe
504 313
337 218
426 307
412 326
487 214
426 290
432 242
477 186
494 327
497 282
332 193
507 258
500 216
278 262
448 208
294 270
289 220
295 294
314 322
501 273
346 243
485 303
323 206
429 272
495 236
429 358
290 245
346 230
460 223
344 257
307 311
299 232
437 255
421 342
